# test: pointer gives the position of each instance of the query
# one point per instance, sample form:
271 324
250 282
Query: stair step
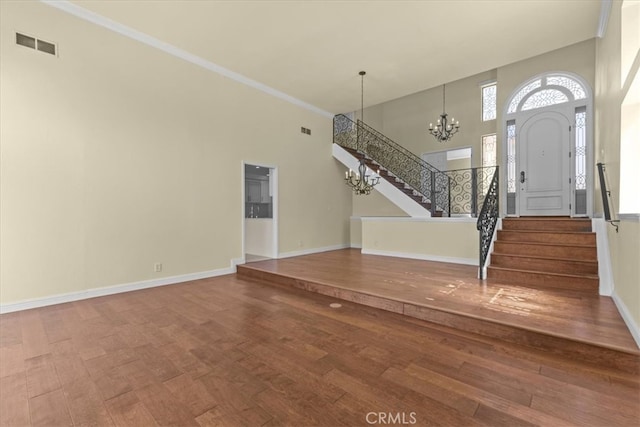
548 250
542 264
547 224
543 279
563 237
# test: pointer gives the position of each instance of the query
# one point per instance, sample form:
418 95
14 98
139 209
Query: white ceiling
313 50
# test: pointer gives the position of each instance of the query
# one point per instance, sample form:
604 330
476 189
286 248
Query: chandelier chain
360 182
443 131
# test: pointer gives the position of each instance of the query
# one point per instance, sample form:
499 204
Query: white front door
544 165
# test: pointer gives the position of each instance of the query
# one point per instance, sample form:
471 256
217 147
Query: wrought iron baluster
487 221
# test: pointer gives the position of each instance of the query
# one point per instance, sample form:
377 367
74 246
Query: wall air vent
305 130
34 43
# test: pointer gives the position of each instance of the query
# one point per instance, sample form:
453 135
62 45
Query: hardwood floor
227 352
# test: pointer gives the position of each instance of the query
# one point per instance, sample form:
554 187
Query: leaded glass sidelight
511 156
581 161
489 150
511 167
489 109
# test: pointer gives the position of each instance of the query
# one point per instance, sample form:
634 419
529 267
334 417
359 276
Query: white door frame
273 182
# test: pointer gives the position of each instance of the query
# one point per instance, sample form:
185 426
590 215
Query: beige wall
442 239
624 245
406 120
116 156
374 204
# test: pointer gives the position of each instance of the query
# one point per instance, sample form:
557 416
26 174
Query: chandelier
443 131
360 182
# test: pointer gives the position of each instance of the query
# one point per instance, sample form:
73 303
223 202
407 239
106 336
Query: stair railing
469 188
432 184
606 195
487 221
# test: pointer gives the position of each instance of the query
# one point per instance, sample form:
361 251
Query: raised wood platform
582 326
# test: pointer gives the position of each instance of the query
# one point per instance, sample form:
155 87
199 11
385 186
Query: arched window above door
545 91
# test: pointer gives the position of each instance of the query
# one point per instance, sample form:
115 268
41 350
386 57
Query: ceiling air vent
34 43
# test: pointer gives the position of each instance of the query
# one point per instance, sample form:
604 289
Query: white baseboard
116 289
424 257
313 251
356 246
628 319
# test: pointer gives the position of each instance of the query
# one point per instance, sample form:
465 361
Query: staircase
396 182
413 179
549 252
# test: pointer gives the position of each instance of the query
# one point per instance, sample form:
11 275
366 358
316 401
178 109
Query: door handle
522 177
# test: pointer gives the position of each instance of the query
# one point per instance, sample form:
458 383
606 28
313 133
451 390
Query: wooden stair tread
547 231
569 245
587 261
546 218
576 276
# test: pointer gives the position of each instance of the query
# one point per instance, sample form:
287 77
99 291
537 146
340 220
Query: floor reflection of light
502 302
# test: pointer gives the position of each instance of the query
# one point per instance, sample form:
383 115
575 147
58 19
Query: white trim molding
605 10
634 328
116 289
424 257
439 220
605 269
94 18
311 251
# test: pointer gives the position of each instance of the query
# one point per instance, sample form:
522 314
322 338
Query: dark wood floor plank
163 406
34 339
127 410
10 329
14 400
50 409
191 394
442 391
41 375
497 418
86 405
11 360
505 405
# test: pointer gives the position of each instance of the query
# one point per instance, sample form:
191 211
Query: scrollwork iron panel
487 220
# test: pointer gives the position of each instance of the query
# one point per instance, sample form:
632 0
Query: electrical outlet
157 267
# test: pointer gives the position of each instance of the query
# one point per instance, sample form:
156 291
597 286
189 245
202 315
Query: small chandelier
360 182
443 131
